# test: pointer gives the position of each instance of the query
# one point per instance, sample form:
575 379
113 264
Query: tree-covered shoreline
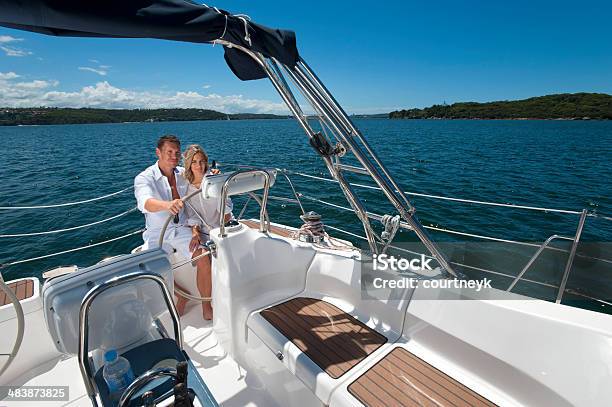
53 115
568 106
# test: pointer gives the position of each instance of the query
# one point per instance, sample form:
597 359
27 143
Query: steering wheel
160 241
20 324
142 380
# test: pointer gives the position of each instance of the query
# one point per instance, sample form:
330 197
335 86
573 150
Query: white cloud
105 95
7 38
8 75
14 52
37 84
98 71
19 94
206 86
101 70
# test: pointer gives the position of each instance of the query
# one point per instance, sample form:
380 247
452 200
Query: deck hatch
403 379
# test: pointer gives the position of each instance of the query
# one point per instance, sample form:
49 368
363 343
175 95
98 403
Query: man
158 191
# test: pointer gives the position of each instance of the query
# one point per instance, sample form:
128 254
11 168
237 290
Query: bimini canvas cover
175 20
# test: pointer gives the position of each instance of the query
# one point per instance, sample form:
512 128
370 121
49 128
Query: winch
312 231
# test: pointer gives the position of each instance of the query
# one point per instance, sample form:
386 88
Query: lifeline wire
495 239
48 232
446 198
72 250
67 203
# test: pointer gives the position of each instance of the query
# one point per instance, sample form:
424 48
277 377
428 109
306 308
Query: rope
182 293
311 227
71 228
67 203
391 224
247 36
71 250
224 28
192 260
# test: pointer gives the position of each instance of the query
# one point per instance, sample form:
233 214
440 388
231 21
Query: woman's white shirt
207 216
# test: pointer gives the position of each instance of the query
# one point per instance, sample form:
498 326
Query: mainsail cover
175 20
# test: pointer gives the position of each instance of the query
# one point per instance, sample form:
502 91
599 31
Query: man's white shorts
176 241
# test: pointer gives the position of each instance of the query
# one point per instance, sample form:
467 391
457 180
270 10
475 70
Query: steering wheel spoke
20 325
143 380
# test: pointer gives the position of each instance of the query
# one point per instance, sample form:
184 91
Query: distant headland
565 106
54 115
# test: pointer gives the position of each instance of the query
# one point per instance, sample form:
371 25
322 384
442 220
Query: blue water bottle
117 374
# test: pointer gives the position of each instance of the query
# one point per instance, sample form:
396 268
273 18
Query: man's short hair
168 138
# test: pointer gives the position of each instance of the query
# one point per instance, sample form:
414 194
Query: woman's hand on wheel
194 243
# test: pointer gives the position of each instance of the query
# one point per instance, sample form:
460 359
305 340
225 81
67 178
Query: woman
203 215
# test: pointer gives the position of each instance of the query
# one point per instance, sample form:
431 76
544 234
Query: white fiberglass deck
230 384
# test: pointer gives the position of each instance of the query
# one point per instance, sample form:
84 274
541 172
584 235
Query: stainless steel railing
91 295
263 217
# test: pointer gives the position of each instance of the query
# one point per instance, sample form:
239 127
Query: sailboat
298 320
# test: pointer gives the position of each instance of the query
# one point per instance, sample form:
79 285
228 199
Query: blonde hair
191 151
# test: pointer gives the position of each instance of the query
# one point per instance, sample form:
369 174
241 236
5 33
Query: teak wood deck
330 337
273 229
22 289
403 379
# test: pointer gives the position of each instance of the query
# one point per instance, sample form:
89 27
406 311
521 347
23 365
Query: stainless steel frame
349 136
278 171
263 219
84 322
534 257
570 260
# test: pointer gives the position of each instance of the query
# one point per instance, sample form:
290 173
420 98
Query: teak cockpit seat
329 329
403 379
317 341
331 334
331 338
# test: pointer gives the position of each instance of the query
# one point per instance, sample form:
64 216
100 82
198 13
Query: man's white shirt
151 183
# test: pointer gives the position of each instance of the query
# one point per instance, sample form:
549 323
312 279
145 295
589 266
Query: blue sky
374 56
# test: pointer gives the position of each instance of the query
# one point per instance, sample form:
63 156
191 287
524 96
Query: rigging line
446 198
71 250
455 232
48 232
345 231
67 203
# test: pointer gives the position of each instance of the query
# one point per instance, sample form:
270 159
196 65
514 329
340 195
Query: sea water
550 164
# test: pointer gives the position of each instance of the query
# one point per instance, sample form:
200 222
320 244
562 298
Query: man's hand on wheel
175 206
